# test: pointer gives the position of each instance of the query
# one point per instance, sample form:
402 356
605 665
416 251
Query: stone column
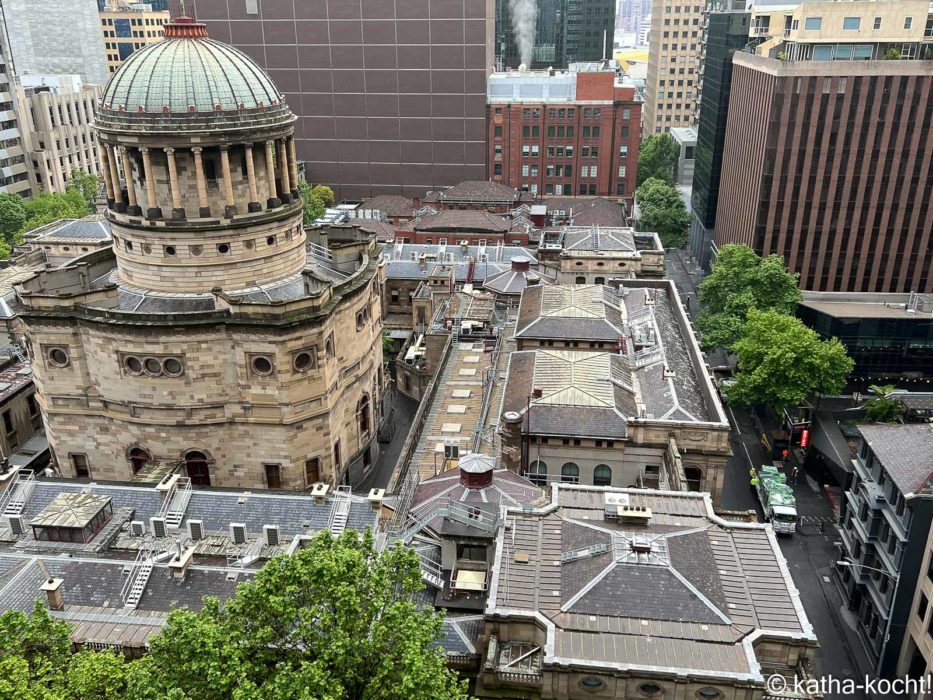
283 170
111 152
273 200
293 162
133 209
229 201
253 206
204 208
153 211
105 171
178 212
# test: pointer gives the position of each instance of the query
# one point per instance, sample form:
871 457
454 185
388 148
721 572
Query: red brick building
565 133
453 227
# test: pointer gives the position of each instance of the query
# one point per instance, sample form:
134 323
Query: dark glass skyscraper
565 31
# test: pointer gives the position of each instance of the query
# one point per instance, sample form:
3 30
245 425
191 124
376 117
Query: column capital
196 149
169 150
144 149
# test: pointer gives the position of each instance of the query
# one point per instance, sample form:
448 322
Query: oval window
708 693
153 366
170 250
223 248
591 682
303 361
270 240
649 689
262 365
58 357
172 366
133 364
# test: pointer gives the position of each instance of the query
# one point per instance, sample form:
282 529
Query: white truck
777 499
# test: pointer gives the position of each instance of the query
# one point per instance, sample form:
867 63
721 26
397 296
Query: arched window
580 280
600 280
602 475
570 473
537 473
196 468
139 458
694 476
362 415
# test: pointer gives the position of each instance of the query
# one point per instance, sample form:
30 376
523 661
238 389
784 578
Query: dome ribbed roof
188 73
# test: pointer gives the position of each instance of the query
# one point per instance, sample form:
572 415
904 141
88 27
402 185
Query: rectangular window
593 172
584 171
851 23
813 24
928 31
877 23
594 152
550 132
623 151
587 113
549 189
81 467
534 171
498 168
8 422
586 132
534 150
526 150
569 132
524 171
498 132
560 132
570 151
595 132
550 151
526 131
585 151
337 460
908 22
624 133
498 149
621 171
273 475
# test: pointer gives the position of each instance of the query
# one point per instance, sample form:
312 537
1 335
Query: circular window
196 250
67 247
591 682
153 366
650 689
708 692
147 248
133 364
170 250
58 357
223 248
262 365
303 361
172 367
270 240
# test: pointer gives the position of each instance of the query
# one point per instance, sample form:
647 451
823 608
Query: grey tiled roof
390 204
454 220
91 228
905 452
478 190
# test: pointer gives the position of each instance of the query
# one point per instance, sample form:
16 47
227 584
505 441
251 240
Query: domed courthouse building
213 338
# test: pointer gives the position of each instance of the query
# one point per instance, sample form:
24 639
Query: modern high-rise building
673 62
390 96
564 133
826 152
564 32
14 176
128 26
725 32
55 37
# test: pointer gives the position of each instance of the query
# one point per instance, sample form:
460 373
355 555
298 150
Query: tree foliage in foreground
657 158
882 407
316 200
782 362
335 621
742 280
662 209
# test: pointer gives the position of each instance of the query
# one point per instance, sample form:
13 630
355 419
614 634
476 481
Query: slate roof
479 191
688 607
590 239
390 205
510 282
91 229
572 312
455 220
400 264
588 212
383 229
13 377
905 452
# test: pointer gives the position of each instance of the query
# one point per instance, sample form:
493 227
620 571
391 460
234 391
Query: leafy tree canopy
782 362
12 214
662 209
47 207
883 407
316 199
87 185
741 280
657 158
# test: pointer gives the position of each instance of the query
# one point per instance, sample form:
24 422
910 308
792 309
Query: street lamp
856 565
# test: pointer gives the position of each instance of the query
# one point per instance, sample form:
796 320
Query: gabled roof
572 312
390 204
469 220
479 191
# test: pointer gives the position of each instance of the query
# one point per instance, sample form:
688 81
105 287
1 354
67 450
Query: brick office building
564 133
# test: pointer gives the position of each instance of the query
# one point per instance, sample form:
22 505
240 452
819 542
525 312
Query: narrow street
400 412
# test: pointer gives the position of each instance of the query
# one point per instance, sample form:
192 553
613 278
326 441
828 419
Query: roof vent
537 392
375 498
634 514
641 545
319 491
270 535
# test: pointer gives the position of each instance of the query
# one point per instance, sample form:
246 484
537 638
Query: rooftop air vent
270 535
641 545
319 491
158 527
238 533
196 529
137 528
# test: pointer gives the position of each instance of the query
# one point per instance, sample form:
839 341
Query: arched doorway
139 458
196 468
694 476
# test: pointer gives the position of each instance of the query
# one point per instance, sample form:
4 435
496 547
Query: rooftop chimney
53 589
375 498
178 564
520 264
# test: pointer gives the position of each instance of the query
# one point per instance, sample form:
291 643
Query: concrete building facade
390 97
569 133
128 26
57 113
673 64
55 37
246 355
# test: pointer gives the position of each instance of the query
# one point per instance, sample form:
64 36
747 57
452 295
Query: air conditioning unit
137 528
270 535
17 524
238 533
158 527
196 529
319 491
639 514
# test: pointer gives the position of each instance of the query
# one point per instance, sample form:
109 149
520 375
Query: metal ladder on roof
138 577
340 511
176 502
17 494
431 571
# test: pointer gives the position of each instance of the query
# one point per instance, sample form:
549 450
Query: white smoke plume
524 19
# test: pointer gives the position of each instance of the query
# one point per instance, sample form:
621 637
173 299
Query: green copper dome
187 76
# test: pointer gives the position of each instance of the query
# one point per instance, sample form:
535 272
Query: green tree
87 185
657 158
47 207
12 215
884 407
316 200
742 280
335 620
662 209
36 649
782 362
